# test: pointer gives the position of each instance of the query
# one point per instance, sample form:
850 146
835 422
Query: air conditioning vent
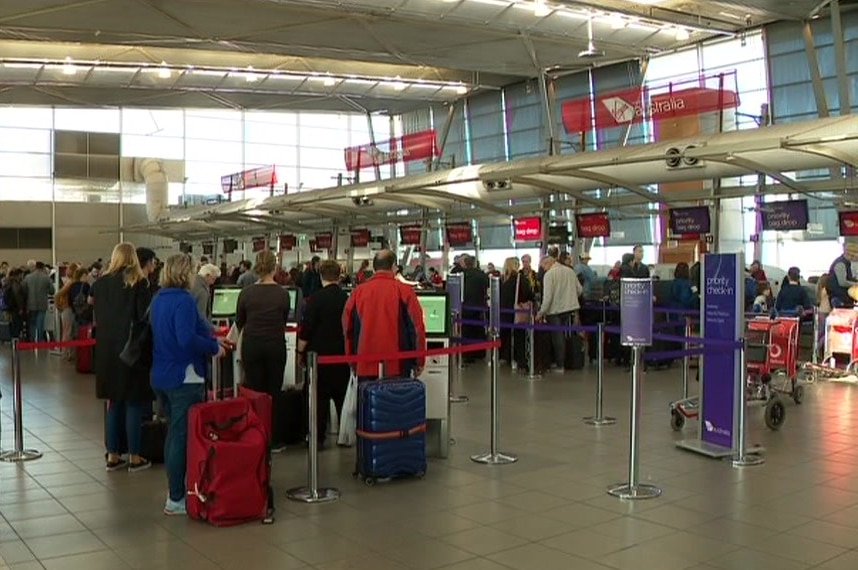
688 160
673 157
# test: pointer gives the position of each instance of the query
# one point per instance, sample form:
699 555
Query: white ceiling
483 44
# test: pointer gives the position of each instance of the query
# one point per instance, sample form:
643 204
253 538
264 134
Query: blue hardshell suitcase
391 430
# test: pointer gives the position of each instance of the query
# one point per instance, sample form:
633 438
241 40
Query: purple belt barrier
527 326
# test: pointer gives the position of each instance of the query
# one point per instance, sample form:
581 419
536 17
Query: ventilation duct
157 187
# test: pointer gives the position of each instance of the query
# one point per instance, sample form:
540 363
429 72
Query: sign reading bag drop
784 216
593 225
636 312
528 229
683 221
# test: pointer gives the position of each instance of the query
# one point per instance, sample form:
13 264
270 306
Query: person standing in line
383 316
201 289
37 287
475 286
586 274
321 332
248 276
311 281
559 304
635 268
121 297
182 344
515 291
261 318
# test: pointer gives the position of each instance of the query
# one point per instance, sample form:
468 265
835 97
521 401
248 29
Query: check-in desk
436 377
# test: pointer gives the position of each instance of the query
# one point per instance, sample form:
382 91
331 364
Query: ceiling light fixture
68 67
398 85
591 52
541 9
164 71
617 22
461 89
251 76
329 81
682 35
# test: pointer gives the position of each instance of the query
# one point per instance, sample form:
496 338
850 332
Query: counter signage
848 223
784 216
459 234
722 320
528 229
636 312
410 235
593 225
208 248
288 242
259 244
684 222
324 241
360 238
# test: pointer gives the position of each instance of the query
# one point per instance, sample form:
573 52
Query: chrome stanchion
455 365
814 357
312 493
634 489
598 419
19 453
742 456
494 457
686 360
532 374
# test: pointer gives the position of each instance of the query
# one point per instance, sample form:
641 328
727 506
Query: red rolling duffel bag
228 463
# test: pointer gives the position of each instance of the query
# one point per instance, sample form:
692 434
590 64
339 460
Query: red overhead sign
655 103
848 223
527 229
415 146
360 238
288 242
324 241
264 176
459 234
593 225
260 244
410 235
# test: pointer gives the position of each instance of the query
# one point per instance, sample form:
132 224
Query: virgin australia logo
712 428
623 111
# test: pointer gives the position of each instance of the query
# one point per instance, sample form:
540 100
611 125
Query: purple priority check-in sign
722 316
636 312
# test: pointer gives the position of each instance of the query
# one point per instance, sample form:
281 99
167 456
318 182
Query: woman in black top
515 288
121 297
263 311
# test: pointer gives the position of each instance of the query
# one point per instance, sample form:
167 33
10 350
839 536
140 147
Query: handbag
139 341
348 423
521 317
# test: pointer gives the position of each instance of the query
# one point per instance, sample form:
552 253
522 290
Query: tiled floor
549 511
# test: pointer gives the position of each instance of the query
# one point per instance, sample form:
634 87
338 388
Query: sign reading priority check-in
636 312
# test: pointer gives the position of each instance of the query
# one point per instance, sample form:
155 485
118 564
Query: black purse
139 341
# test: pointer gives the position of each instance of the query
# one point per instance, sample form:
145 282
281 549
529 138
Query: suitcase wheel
370 481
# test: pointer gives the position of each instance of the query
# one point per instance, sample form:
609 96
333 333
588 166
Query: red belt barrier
354 358
224 332
50 345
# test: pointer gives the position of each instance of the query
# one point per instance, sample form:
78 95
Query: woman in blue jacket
183 343
682 294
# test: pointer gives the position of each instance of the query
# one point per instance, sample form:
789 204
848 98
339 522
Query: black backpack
81 307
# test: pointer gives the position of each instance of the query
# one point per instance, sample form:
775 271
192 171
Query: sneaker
558 370
142 465
175 508
117 465
278 448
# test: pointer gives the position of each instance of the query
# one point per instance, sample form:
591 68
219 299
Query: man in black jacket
474 289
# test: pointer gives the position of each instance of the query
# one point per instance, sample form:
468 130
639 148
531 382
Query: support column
815 75
840 58
376 166
445 133
546 90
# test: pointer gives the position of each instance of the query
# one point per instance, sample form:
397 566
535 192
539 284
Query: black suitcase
574 352
542 351
289 422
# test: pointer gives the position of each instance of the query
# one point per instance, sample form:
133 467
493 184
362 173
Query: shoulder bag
524 310
139 340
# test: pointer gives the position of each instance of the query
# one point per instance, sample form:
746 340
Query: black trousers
332 384
264 362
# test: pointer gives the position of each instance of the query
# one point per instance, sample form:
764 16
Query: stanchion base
307 495
749 460
629 492
459 399
18 456
597 422
494 458
533 377
452 441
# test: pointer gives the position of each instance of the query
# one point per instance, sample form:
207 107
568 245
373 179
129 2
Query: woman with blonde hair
120 298
182 344
263 311
516 295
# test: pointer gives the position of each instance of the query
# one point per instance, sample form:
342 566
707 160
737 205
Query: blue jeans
37 325
131 415
175 404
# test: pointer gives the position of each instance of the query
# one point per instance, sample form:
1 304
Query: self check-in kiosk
224 309
292 375
436 373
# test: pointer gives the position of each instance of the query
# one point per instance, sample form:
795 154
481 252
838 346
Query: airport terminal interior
693 161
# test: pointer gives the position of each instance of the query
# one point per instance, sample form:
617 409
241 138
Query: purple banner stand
722 318
636 312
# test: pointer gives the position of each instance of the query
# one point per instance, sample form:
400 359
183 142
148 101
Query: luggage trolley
840 353
771 350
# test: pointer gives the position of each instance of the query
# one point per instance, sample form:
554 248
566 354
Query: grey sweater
38 287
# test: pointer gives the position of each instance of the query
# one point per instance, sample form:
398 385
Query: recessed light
164 71
69 68
329 81
682 35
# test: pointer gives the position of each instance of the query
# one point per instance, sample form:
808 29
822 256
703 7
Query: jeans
558 338
131 414
67 322
37 325
175 404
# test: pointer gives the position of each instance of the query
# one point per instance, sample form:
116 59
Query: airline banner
632 106
414 146
255 178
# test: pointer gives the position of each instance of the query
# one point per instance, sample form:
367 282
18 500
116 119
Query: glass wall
306 149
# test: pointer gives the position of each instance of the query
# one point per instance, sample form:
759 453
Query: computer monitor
436 312
225 301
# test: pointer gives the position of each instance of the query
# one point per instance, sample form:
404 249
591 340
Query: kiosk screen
435 313
225 302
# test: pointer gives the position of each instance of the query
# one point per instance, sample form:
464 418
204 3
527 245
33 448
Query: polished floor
549 511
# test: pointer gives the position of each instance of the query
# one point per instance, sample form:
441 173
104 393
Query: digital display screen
435 313
295 300
225 302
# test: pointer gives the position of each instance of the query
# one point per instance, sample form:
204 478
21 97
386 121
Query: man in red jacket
382 317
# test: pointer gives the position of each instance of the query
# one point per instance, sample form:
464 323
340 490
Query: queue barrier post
18 454
598 419
455 365
743 457
494 457
634 489
532 374
312 493
814 357
686 360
